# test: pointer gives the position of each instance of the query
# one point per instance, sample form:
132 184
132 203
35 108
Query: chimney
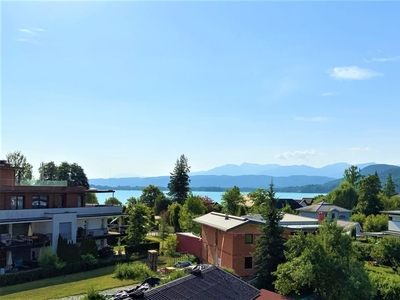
226 217
321 217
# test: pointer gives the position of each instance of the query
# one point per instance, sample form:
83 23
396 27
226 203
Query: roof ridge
230 216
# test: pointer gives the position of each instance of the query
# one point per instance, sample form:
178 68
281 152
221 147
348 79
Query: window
17 202
390 218
341 217
61 202
65 230
248 239
333 215
248 262
40 202
79 200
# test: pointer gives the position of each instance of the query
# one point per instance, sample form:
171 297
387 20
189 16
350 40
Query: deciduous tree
149 195
24 171
48 171
376 223
344 196
179 181
326 264
192 208
112 201
269 250
231 200
91 198
368 191
139 224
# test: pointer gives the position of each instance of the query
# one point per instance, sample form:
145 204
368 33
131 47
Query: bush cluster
43 273
134 271
386 287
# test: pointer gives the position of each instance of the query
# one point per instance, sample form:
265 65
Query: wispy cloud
359 149
329 94
353 73
311 119
29 35
383 59
302 155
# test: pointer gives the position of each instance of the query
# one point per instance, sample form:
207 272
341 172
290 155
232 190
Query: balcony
36 240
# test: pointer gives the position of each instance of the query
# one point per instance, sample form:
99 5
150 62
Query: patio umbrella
30 232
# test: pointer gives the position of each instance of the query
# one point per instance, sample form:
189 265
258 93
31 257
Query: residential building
324 210
34 214
229 241
393 222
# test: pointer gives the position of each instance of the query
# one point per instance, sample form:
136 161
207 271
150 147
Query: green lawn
381 269
63 286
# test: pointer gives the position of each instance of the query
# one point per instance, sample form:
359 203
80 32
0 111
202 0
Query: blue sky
126 87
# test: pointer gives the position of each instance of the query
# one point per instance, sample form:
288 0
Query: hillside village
317 247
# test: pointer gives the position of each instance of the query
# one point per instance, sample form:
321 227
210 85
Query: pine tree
179 181
270 245
390 187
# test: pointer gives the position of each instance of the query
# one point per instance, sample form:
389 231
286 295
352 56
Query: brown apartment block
229 241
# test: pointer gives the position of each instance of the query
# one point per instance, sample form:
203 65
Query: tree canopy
390 187
368 191
112 200
231 200
352 175
326 264
24 171
149 195
139 224
179 181
192 208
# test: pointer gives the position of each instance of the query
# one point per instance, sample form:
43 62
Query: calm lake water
123 195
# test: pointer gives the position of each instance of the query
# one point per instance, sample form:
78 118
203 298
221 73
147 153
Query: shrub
387 287
364 250
176 274
88 246
170 245
92 294
89 258
49 260
387 252
134 271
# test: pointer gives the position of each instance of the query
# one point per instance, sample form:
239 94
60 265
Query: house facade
325 210
229 241
34 214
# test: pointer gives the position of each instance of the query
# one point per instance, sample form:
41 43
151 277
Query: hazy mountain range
334 170
298 178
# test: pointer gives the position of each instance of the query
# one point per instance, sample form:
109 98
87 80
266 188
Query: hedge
41 273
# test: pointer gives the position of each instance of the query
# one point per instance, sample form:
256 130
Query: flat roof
221 221
24 220
390 212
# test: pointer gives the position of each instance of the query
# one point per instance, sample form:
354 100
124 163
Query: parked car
182 264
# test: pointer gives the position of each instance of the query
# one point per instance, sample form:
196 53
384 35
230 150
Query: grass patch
63 286
380 269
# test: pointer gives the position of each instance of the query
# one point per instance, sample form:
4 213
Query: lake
123 195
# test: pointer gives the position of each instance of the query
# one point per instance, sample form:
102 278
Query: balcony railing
35 240
91 232
42 183
50 183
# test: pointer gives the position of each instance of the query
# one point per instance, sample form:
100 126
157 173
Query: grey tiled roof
323 207
211 284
